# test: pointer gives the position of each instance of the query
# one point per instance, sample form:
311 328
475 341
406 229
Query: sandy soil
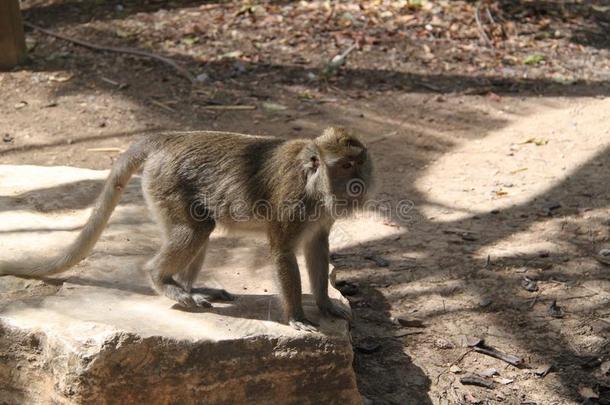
502 184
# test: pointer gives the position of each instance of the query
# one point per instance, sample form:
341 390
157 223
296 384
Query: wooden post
12 40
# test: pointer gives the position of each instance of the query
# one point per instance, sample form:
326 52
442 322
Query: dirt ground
496 145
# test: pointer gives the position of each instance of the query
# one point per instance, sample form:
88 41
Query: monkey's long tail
121 172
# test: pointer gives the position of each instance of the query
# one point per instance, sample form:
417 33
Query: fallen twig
120 86
459 359
477 17
338 61
406 332
164 106
488 12
454 363
116 150
578 297
430 87
331 14
478 381
534 300
490 351
383 137
543 371
379 261
229 107
129 51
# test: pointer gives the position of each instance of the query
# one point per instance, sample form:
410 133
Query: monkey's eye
347 165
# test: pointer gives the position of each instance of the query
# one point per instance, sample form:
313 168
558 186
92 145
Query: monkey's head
347 167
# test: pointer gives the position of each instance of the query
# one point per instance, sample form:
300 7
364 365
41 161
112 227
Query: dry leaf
519 170
537 141
455 369
587 393
61 77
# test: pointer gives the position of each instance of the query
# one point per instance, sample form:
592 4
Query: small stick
229 107
109 81
430 87
508 358
534 301
115 150
478 381
459 359
331 14
129 51
383 137
488 12
379 261
160 104
482 32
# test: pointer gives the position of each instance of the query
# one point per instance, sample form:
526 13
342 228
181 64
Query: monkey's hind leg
182 244
187 277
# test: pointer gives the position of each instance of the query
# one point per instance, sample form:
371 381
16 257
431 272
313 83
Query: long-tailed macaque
290 190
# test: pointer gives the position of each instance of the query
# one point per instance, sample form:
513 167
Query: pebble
555 310
485 302
529 284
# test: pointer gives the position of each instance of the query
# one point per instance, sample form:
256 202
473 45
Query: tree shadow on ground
481 280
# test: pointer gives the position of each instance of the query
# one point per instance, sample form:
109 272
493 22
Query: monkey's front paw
332 309
303 324
186 301
201 301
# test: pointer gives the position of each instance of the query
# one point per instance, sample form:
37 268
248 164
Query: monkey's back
205 174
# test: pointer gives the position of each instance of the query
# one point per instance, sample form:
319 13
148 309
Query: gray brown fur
191 181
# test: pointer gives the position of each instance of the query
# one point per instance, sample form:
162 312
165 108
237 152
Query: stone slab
99 334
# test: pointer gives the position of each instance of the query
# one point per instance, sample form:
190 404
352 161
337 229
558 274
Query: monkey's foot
213 294
185 299
303 324
332 309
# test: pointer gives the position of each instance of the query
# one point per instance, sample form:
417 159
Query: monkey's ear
314 162
310 158
314 170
